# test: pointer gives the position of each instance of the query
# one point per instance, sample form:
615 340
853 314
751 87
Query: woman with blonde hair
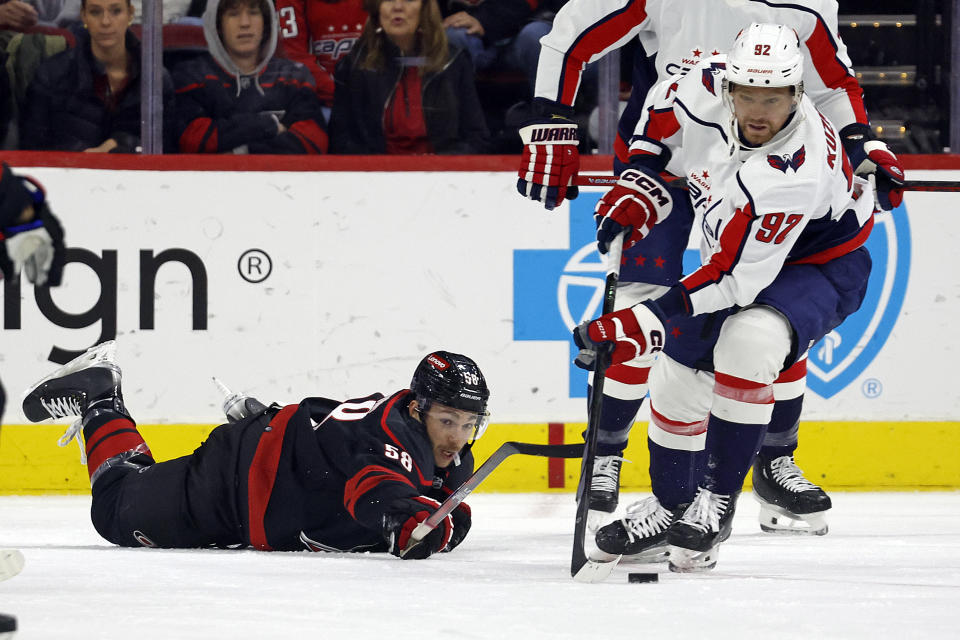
88 98
404 89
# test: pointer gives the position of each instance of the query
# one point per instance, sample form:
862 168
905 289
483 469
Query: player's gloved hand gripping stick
503 452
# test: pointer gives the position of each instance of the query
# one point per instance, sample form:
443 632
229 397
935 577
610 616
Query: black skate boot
605 484
789 503
695 537
640 536
84 385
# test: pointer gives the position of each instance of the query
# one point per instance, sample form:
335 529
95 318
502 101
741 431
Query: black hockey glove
405 515
461 525
36 246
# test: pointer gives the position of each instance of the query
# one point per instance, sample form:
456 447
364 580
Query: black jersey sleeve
383 453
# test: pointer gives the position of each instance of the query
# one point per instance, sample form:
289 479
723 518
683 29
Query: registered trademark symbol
872 388
255 265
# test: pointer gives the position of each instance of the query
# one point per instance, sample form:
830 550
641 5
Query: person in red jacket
318 33
240 98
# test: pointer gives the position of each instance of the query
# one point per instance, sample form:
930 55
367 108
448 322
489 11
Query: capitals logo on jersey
787 161
710 75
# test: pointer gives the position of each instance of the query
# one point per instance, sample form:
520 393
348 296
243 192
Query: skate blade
692 561
101 354
779 521
11 563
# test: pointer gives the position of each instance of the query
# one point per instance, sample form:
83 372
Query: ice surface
889 568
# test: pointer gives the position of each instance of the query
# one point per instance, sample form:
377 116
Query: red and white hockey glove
639 200
873 157
626 334
550 161
404 516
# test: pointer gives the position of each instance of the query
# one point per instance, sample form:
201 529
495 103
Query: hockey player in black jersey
320 475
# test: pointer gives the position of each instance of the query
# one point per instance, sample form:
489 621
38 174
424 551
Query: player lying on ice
783 223
321 475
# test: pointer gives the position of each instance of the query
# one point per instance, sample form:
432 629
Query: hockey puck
642 577
7 623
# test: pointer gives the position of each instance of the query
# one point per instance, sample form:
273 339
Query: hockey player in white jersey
681 36
783 222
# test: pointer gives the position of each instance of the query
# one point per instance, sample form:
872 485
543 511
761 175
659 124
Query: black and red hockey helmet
453 380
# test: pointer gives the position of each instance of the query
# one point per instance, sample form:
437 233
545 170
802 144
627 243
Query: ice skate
640 536
604 491
789 503
92 379
605 484
695 537
11 563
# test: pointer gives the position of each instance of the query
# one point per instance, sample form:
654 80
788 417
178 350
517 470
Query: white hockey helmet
765 55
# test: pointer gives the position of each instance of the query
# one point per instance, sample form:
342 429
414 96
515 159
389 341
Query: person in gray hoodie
239 98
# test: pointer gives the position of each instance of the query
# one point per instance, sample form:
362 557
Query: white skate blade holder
774 519
11 563
693 561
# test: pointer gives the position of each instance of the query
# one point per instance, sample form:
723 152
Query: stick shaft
946 186
579 556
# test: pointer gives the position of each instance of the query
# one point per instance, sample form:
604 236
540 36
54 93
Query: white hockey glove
32 252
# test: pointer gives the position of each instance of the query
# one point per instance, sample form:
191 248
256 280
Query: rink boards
287 281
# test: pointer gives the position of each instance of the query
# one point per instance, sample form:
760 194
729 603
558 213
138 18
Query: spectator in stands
318 33
403 89
87 98
239 98
16 15
485 28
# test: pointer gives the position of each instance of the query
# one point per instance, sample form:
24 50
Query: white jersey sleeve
583 31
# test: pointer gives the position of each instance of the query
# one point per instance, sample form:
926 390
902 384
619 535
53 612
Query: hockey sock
674 474
676 456
111 436
784 428
624 390
733 440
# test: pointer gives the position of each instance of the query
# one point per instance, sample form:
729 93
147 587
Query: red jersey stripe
263 473
834 73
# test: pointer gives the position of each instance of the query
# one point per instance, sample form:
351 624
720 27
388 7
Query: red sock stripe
263 473
796 372
742 390
112 439
675 426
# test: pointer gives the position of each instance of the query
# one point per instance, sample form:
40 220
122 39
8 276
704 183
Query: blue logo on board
557 289
844 354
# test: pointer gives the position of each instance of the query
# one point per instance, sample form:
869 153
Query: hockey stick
582 568
503 452
943 186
